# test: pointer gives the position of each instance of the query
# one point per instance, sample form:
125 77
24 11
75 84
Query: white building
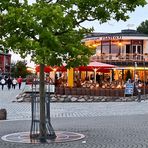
127 49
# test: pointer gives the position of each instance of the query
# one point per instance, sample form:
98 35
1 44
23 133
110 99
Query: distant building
5 61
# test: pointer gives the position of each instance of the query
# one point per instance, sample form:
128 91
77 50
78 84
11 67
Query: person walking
19 81
3 83
9 83
138 86
14 82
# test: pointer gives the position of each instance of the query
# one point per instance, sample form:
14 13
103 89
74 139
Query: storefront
127 54
128 51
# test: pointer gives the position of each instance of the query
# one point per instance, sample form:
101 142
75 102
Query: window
106 47
115 47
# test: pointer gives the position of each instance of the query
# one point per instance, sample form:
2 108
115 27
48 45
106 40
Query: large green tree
51 31
143 27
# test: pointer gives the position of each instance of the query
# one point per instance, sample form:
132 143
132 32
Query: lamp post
135 66
137 84
144 77
95 70
120 48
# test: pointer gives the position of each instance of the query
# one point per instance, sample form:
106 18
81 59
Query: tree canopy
51 31
19 69
143 27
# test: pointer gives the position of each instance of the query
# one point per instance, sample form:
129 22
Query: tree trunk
42 105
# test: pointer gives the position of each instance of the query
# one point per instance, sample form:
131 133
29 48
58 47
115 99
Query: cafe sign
111 38
103 38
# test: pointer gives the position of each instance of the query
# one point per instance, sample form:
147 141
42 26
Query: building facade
5 61
128 50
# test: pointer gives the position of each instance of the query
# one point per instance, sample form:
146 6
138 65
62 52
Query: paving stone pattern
105 125
22 110
100 132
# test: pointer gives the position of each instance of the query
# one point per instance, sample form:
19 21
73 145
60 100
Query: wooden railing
116 92
119 57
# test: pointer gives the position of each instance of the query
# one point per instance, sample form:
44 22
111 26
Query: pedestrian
14 82
9 83
138 86
19 81
3 82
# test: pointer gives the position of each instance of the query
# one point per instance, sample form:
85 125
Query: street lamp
135 66
120 47
144 76
137 84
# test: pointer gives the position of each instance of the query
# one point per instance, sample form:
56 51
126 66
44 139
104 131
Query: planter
79 91
67 91
73 91
92 92
102 92
107 92
88 91
60 90
83 91
121 92
116 92
97 92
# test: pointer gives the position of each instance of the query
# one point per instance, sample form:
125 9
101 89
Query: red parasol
98 66
60 68
47 69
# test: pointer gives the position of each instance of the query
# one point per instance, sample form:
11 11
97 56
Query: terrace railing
102 57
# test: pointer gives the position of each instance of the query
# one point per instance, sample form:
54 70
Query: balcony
121 59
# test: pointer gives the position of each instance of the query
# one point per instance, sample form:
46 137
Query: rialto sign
103 38
111 38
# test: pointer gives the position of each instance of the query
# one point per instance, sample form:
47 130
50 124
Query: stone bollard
3 114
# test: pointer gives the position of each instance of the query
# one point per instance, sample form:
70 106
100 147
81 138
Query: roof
125 32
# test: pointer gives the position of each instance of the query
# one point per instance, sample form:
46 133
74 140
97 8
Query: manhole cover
24 137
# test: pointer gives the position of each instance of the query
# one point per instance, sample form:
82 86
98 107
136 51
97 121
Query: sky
139 15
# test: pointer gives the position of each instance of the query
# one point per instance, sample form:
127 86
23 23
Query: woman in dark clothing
9 83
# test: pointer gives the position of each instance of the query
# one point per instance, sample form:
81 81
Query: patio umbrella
60 68
96 67
47 69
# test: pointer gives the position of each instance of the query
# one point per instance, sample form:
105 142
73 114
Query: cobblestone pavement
105 125
100 132
23 110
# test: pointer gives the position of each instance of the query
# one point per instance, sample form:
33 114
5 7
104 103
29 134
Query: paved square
105 125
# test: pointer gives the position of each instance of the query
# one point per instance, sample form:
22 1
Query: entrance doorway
137 51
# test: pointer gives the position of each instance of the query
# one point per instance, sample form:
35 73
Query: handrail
119 57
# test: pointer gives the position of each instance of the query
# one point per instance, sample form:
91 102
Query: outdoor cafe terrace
98 81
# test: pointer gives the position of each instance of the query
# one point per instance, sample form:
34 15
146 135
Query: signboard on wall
104 38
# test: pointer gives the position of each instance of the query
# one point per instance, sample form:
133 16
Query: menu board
129 89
